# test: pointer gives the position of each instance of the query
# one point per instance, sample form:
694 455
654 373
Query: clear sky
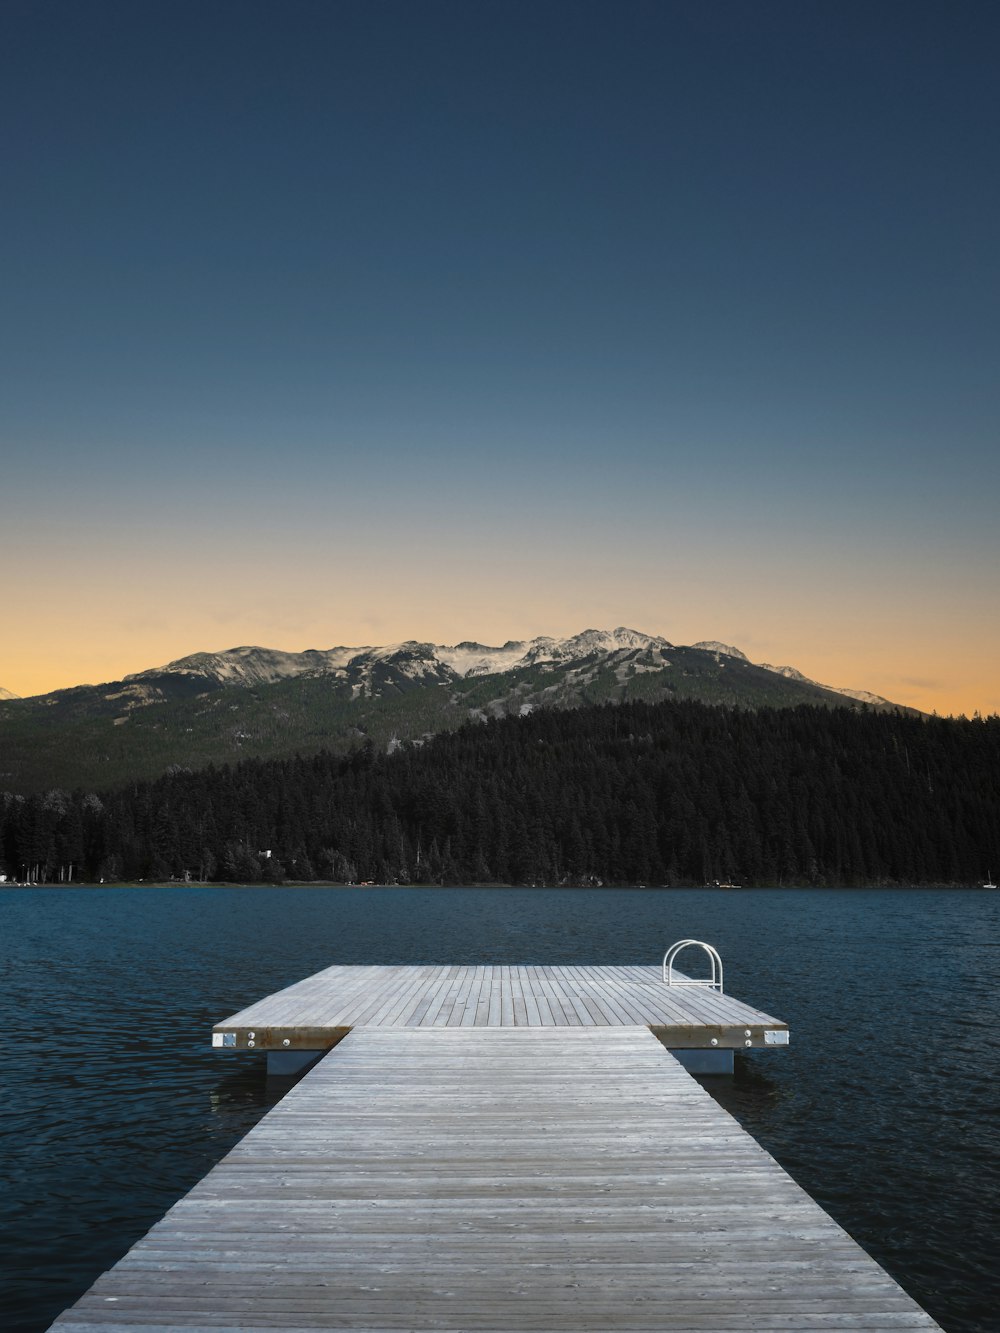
344 323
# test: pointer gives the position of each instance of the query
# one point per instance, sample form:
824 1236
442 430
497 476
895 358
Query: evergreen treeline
630 794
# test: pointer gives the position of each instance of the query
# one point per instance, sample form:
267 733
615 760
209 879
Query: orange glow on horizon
100 605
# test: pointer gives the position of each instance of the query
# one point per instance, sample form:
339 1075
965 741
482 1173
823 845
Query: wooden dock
315 1013
556 1178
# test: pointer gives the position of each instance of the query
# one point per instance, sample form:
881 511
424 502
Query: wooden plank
506 997
460 997
468 1018
525 1179
543 1009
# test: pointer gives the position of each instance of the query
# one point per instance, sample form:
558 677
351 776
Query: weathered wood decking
314 1013
548 1179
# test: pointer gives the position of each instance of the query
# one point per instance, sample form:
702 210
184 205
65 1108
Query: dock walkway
546 1179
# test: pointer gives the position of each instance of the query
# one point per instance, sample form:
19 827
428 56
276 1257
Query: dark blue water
885 1107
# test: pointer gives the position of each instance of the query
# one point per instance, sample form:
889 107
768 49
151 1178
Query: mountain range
252 701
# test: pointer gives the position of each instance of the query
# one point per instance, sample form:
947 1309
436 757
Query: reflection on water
751 1092
242 1097
247 1089
114 1103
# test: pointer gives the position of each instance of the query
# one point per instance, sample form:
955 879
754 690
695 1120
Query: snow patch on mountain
726 650
136 695
8 694
789 673
395 666
862 696
476 659
603 642
251 665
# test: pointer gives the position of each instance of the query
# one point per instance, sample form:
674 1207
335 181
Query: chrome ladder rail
714 982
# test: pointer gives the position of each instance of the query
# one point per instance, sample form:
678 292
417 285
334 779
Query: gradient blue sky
333 323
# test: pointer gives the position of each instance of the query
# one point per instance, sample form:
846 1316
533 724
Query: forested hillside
668 793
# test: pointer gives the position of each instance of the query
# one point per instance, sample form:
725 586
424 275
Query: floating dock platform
316 1013
495 1150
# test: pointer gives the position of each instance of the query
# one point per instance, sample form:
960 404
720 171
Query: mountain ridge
251 664
250 701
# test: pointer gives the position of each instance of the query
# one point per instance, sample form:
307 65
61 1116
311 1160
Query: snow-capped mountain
368 668
7 694
412 659
217 707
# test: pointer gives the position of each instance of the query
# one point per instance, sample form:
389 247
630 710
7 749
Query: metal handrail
714 982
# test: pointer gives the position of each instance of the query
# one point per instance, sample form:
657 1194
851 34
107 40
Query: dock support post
698 1061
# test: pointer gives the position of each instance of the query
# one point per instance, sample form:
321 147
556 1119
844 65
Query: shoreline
540 888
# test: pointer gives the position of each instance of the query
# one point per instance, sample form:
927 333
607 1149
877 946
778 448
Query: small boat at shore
988 881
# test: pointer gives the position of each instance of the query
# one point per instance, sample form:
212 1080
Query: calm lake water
885 1107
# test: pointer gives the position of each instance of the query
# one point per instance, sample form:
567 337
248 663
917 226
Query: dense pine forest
670 793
